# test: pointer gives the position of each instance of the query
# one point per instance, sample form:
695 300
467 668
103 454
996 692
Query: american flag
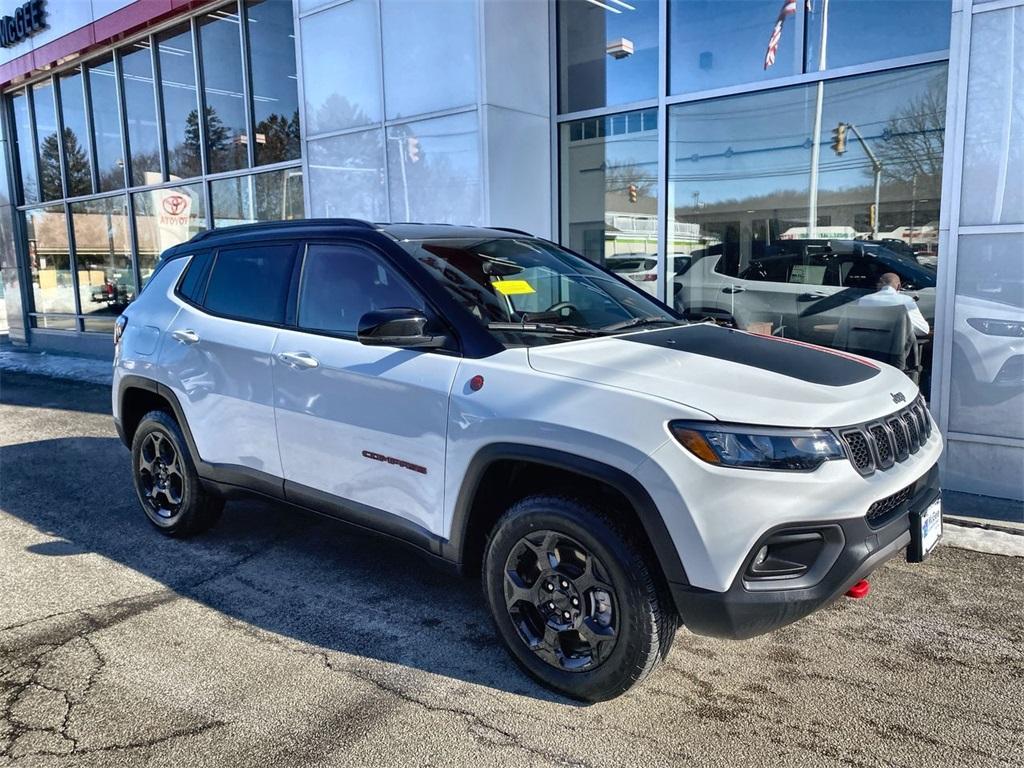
788 9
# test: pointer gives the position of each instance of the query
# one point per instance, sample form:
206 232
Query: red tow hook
859 590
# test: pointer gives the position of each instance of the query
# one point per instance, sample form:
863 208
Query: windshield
530 291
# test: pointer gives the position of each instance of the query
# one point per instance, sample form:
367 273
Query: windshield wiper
527 327
635 322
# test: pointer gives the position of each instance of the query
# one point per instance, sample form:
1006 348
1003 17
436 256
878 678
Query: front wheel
574 598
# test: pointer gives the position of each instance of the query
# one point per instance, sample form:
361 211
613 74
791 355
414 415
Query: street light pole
812 213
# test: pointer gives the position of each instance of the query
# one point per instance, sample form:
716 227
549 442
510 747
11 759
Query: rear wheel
166 482
574 598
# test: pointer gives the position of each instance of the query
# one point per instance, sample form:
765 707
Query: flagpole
812 214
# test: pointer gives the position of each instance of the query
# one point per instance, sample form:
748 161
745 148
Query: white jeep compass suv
511 409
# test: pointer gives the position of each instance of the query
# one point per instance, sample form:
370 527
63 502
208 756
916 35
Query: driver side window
342 283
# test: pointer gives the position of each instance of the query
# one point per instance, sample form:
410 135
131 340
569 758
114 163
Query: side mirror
398 327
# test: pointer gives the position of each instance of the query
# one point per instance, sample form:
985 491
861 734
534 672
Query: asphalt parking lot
280 639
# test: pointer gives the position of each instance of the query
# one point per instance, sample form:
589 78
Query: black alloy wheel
561 601
160 475
576 595
166 481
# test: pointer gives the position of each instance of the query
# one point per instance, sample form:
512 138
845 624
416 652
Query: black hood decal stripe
782 356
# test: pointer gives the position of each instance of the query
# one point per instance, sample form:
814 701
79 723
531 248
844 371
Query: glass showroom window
53 290
106 123
103 260
608 53
227 132
77 163
769 246
20 110
180 102
71 135
987 376
610 193
166 217
140 106
713 44
47 141
270 196
274 94
862 31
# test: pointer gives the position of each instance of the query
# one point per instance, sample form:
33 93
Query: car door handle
812 296
733 289
298 359
186 336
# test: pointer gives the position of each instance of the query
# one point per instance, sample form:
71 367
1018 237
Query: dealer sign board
26 20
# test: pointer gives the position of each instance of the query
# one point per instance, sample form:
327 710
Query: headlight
752 447
997 327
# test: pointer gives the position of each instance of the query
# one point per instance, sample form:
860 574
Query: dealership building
760 162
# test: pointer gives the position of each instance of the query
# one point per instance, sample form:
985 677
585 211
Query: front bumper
851 550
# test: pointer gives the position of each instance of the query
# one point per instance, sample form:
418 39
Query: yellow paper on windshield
512 287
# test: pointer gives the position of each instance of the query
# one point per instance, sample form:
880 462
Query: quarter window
193 284
341 284
251 283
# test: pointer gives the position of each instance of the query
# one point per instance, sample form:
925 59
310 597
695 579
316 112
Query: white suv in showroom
512 410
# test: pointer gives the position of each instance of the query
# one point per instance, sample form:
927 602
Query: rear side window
194 282
251 283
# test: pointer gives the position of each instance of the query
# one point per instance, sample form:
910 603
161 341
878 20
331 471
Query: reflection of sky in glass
717 43
589 76
714 43
860 31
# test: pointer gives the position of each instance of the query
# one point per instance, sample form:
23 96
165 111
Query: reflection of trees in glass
49 167
337 111
76 163
222 148
277 139
911 148
279 195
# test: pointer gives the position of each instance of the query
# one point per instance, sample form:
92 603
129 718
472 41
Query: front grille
878 445
884 510
884 449
913 431
900 438
860 451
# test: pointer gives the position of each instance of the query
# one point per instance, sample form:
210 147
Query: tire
166 481
607 573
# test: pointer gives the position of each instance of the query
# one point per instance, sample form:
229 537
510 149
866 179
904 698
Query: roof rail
360 223
513 230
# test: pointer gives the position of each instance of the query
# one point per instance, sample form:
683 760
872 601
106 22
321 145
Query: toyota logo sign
175 204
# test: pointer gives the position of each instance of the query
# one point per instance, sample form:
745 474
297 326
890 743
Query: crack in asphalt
28 655
505 737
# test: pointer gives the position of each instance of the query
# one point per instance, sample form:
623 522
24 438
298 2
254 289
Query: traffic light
872 217
634 192
839 138
412 149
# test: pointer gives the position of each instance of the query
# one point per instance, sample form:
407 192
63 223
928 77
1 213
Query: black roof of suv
304 227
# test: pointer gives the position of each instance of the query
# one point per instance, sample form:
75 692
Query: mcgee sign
26 20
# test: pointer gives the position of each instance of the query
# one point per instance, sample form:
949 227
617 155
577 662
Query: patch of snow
982 540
